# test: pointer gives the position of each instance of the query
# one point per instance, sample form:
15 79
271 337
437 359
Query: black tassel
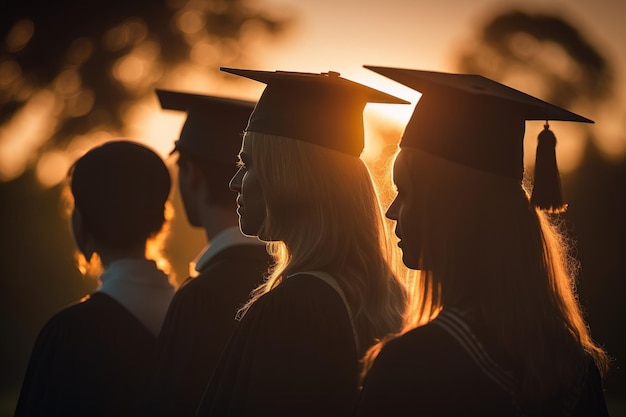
547 182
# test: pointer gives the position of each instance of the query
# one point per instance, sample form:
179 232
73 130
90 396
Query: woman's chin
411 261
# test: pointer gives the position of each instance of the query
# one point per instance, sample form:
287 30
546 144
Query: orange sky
343 35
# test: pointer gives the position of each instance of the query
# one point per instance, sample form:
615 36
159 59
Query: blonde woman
302 187
508 338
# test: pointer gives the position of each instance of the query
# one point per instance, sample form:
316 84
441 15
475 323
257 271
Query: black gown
293 354
443 369
198 325
90 359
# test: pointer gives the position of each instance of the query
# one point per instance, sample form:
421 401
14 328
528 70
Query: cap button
331 74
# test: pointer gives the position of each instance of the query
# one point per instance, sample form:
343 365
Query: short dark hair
121 189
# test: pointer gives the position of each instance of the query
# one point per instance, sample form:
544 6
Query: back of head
120 189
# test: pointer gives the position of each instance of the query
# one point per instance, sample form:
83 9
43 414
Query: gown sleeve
39 391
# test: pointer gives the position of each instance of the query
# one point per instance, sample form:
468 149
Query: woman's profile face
251 206
409 210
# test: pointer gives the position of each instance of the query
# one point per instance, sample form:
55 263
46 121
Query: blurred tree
547 56
542 51
68 68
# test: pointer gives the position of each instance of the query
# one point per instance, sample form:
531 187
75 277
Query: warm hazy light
23 134
52 168
9 72
67 82
129 69
153 126
571 140
128 33
80 50
610 127
204 52
139 68
79 104
19 35
190 22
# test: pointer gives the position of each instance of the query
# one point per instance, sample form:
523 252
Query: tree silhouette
545 47
68 68
73 67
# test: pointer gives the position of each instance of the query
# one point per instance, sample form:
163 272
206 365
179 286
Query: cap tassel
546 193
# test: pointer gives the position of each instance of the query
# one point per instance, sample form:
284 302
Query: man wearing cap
201 317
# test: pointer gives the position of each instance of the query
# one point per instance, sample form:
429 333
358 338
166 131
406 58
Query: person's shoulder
304 284
234 264
304 296
78 311
73 320
244 251
239 257
426 338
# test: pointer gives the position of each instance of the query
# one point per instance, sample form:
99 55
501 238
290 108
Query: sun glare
25 132
190 21
52 168
155 127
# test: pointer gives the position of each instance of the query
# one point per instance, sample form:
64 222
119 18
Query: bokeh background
76 73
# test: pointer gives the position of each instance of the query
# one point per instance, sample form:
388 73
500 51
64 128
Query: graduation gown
443 369
198 326
293 354
90 359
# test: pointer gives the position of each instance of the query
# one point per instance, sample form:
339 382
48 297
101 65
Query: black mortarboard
322 109
475 121
214 124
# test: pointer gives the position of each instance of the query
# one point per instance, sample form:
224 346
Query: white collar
144 271
142 288
223 240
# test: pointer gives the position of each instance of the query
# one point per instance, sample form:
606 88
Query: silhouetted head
316 124
479 123
120 190
207 146
303 186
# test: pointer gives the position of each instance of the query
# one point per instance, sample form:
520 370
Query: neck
109 255
217 219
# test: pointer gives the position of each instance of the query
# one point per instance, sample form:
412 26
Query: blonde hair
323 213
495 255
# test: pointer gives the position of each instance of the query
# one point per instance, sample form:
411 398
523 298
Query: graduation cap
214 124
322 109
475 121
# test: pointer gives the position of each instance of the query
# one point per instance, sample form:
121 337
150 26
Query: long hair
491 253
323 214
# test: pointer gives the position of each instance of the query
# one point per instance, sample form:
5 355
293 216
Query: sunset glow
305 49
22 136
